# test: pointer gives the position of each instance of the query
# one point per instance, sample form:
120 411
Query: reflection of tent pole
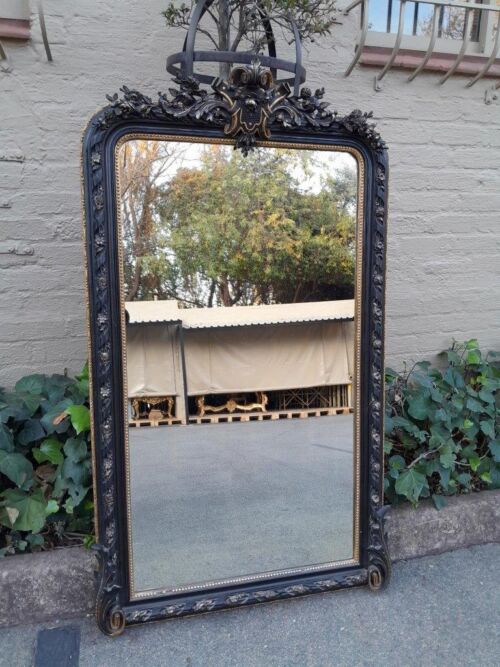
183 368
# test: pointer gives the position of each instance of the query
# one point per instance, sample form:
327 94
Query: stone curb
464 521
59 584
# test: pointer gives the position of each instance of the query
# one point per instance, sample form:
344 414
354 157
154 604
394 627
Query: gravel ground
438 611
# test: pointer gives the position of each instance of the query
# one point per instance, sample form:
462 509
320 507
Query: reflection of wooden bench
152 407
232 405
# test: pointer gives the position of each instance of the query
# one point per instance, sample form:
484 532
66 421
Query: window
14 19
448 36
384 17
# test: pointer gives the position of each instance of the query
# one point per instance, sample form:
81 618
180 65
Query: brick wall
443 251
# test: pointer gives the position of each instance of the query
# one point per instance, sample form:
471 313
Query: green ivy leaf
390 376
31 384
31 432
80 417
77 493
418 407
410 484
465 479
68 506
439 501
6 439
447 457
50 450
21 545
486 477
495 475
488 427
441 415
35 540
494 447
388 424
436 395
32 403
408 426
457 403
453 357
449 376
75 449
78 472
52 507
17 468
473 357
23 511
396 464
444 475
474 462
473 405
52 412
486 396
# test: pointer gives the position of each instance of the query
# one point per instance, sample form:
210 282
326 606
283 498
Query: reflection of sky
188 156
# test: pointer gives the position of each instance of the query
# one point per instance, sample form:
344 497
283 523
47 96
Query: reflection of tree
142 166
452 23
235 230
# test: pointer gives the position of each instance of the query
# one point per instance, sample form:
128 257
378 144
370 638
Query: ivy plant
441 426
45 468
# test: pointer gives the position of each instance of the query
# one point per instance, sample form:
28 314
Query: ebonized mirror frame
248 108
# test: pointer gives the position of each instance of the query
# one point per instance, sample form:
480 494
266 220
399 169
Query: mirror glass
238 282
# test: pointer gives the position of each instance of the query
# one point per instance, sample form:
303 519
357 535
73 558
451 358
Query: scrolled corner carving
110 616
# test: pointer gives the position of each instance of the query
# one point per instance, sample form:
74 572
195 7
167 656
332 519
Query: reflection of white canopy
238 316
238 349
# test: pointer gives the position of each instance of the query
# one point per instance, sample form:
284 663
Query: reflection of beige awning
268 358
294 345
237 316
152 361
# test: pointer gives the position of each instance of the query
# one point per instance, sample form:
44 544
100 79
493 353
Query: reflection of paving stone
225 500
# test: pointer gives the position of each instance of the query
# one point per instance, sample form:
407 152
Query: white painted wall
15 9
443 250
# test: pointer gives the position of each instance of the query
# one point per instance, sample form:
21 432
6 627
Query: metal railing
470 9
43 30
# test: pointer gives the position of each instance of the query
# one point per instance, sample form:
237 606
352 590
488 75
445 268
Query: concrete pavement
439 611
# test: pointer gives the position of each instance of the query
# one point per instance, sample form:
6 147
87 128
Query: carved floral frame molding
249 108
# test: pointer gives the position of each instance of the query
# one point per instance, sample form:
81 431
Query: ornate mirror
235 240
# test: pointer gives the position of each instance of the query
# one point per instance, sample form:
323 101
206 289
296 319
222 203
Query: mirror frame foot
109 614
380 569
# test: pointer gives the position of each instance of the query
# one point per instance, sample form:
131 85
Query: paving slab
438 611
